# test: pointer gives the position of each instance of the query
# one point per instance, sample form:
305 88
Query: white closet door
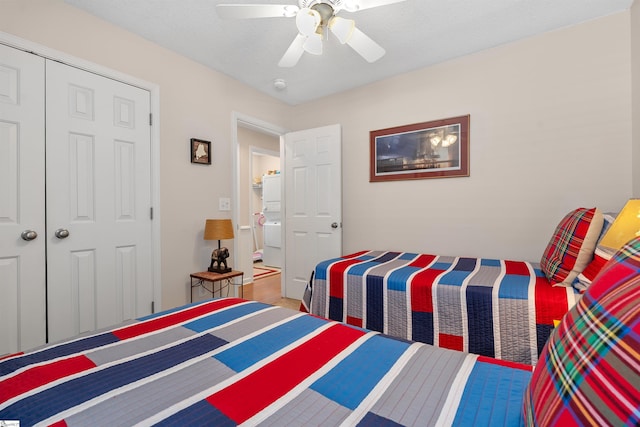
99 192
22 262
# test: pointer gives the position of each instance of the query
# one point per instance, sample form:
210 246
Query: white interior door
313 208
22 262
98 201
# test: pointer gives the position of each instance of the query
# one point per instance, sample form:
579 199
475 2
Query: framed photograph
200 151
436 149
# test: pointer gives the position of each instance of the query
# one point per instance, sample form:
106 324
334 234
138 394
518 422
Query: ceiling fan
314 19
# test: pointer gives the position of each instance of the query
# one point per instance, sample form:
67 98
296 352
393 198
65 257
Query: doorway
258 153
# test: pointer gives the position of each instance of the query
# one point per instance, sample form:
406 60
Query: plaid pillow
589 371
571 246
600 258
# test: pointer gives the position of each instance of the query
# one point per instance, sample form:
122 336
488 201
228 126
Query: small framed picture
200 151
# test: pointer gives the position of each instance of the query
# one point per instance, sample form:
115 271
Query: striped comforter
497 308
231 361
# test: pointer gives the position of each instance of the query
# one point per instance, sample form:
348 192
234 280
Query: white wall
195 102
635 77
551 123
550 131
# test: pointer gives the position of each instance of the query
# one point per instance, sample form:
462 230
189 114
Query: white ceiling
415 34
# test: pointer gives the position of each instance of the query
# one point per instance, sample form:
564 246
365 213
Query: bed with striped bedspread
497 308
231 361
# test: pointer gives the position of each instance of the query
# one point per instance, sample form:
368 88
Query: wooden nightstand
225 280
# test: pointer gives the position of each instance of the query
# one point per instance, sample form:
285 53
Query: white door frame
154 90
257 125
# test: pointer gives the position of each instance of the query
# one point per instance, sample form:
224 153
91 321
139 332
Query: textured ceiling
415 34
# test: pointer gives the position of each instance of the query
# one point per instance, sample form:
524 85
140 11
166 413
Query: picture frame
200 151
434 149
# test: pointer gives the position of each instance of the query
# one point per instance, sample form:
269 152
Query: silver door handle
334 225
61 233
28 235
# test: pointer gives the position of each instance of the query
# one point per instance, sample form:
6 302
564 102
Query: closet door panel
99 191
22 209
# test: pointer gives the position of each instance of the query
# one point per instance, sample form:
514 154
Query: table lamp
625 227
218 229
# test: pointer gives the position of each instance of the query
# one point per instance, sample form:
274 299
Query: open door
313 203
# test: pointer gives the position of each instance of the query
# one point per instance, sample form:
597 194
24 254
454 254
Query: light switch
224 204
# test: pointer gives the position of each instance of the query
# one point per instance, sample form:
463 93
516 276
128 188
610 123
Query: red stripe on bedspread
41 375
173 318
422 261
421 290
336 277
551 302
516 267
507 363
248 396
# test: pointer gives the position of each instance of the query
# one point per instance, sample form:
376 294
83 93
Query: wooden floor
267 290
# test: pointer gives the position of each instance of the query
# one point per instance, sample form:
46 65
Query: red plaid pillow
572 245
589 370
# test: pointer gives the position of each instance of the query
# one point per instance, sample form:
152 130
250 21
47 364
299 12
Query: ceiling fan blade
365 46
294 52
242 11
356 5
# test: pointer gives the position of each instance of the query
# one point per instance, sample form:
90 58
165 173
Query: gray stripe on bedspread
514 330
397 313
449 310
254 323
310 408
126 348
354 296
138 404
427 376
486 276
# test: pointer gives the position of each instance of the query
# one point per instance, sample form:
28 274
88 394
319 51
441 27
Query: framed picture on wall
200 151
435 149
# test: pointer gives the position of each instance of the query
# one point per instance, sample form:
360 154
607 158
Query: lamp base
219 270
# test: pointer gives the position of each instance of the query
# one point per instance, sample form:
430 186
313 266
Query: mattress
229 361
497 308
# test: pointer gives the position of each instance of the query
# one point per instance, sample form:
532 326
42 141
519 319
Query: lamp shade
218 229
625 227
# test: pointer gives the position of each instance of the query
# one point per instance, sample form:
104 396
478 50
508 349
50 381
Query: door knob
61 233
334 225
28 235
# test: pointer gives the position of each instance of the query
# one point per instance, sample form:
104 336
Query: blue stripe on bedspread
463 269
488 398
480 314
61 350
375 303
359 373
220 318
323 267
422 327
257 348
514 286
199 414
397 280
336 308
73 392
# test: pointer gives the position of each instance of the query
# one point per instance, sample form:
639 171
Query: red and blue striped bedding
231 361
496 308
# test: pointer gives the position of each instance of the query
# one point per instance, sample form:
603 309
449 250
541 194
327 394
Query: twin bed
497 308
230 361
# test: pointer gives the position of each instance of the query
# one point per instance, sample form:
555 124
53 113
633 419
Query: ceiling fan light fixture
307 21
313 44
342 28
290 11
